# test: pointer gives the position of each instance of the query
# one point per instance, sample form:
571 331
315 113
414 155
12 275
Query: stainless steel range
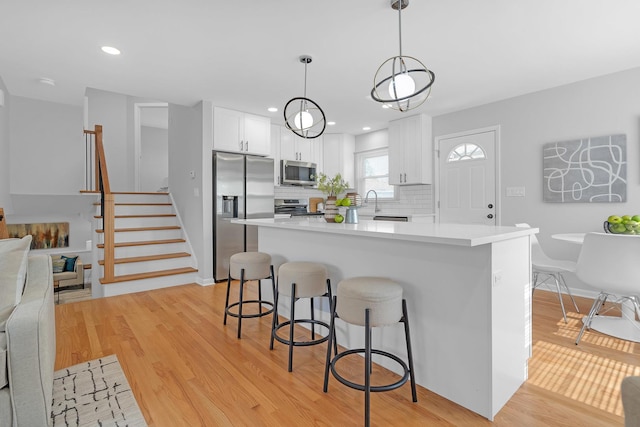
294 207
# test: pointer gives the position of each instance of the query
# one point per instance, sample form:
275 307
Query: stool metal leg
292 325
226 304
367 368
332 334
260 295
329 294
240 302
405 320
274 321
313 326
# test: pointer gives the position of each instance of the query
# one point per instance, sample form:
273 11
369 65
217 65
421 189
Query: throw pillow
13 265
58 265
69 263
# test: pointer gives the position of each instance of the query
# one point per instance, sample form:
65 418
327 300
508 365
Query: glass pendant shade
303 120
401 86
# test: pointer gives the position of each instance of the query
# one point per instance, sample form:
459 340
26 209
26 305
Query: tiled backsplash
412 199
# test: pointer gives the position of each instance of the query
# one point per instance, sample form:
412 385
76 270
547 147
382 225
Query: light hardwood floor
187 369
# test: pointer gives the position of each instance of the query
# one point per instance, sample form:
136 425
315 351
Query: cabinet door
287 145
331 154
396 153
275 153
257 135
227 130
303 148
412 146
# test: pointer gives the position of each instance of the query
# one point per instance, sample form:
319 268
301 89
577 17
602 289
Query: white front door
467 178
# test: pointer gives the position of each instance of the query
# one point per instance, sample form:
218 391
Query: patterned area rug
94 393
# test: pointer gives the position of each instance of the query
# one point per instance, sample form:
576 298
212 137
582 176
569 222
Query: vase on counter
330 209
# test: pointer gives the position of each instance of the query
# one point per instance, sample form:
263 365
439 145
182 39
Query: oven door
298 173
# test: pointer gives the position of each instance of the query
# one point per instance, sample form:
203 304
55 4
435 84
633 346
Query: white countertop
450 234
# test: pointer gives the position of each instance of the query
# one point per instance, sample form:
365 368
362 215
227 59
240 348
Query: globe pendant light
402 82
302 116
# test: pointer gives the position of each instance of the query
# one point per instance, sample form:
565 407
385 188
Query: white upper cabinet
410 151
241 132
337 156
293 147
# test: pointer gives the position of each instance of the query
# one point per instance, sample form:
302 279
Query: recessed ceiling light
331 123
47 81
366 128
272 109
110 50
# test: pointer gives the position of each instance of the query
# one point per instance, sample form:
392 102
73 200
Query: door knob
490 216
490 206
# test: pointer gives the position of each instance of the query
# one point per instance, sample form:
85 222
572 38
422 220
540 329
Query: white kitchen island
468 290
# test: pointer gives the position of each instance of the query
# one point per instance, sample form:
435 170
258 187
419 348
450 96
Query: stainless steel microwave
297 173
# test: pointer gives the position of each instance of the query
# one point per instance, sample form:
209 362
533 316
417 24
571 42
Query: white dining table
625 327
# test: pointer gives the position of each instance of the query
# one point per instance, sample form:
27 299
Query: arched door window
466 151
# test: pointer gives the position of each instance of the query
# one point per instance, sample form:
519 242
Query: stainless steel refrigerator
242 188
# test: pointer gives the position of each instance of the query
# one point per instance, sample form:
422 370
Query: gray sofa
28 348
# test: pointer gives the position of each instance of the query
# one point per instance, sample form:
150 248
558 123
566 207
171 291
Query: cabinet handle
400 177
246 146
405 177
240 145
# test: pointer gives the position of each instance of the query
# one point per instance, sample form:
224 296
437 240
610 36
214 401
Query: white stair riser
140 209
142 198
145 250
139 236
153 221
155 265
148 284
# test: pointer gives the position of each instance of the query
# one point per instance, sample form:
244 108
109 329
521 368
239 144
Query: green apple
636 218
626 218
339 218
346 202
617 228
614 219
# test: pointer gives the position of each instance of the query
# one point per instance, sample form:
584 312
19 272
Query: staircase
150 247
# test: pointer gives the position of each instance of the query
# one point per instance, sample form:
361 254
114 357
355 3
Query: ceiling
243 54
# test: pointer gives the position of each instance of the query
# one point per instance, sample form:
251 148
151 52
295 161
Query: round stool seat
310 279
256 265
381 295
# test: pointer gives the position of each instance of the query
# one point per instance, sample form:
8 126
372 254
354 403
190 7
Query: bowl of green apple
622 224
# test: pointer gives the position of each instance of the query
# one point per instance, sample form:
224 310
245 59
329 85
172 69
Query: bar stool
369 302
300 280
246 266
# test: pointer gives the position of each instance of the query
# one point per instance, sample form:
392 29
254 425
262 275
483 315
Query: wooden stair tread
160 228
141 216
149 275
148 258
144 242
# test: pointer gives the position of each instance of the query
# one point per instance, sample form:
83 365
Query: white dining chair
609 263
548 268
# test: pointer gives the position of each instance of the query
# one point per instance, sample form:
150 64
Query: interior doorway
151 150
467 177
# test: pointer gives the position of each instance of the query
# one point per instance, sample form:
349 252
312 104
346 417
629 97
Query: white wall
600 106
185 155
5 172
154 160
47 147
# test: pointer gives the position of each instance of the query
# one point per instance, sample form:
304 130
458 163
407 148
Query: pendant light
408 82
302 116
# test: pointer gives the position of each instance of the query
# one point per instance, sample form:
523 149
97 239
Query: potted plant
332 187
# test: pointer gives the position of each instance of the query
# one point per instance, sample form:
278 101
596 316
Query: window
466 151
372 173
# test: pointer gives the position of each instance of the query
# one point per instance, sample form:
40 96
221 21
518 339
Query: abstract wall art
590 170
45 234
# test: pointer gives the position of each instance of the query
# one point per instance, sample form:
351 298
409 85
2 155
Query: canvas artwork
590 170
45 235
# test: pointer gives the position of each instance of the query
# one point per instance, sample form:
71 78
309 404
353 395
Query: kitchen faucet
366 200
